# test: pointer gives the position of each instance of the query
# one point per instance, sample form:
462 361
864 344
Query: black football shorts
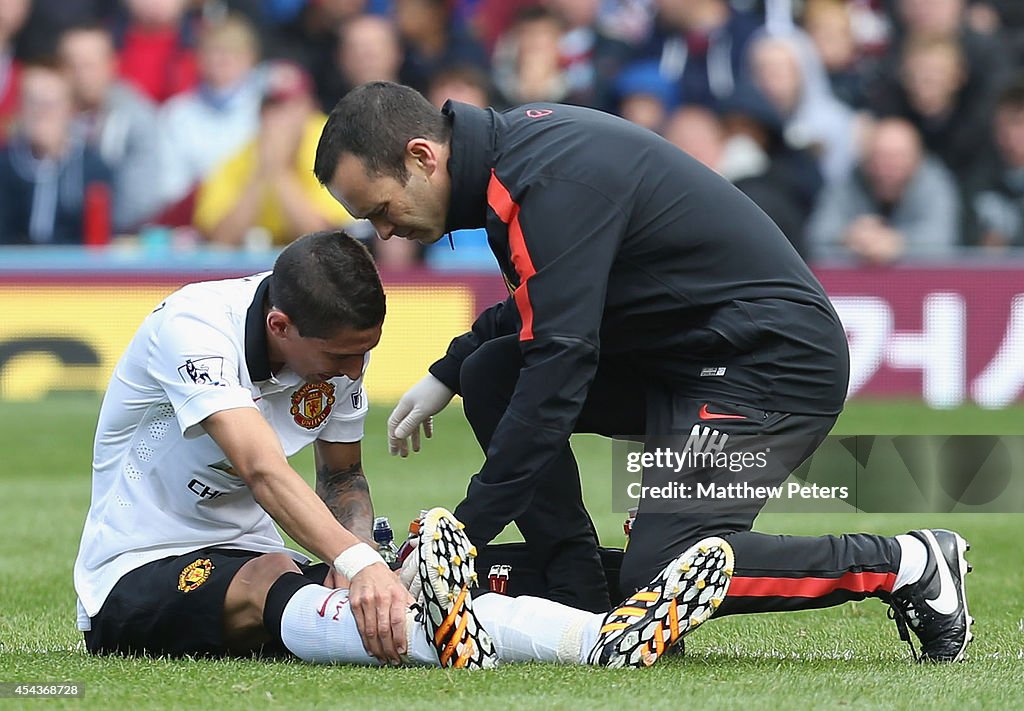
174 606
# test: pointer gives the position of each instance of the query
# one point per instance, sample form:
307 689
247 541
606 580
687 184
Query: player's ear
278 323
422 153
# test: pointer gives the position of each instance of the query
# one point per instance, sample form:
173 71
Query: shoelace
898 616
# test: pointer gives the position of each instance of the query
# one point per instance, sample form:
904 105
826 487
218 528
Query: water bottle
413 539
384 537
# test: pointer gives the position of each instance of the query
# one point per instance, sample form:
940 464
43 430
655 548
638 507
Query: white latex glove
416 408
409 575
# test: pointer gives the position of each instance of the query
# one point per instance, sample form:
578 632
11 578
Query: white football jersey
160 485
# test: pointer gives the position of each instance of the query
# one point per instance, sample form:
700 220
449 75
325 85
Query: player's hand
379 603
416 408
336 581
409 573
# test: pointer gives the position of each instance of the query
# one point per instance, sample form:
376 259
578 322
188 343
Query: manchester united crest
312 403
195 574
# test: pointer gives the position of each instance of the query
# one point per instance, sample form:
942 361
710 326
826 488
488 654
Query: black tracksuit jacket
617 245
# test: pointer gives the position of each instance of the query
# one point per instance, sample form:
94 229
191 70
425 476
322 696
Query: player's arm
563 246
341 485
377 597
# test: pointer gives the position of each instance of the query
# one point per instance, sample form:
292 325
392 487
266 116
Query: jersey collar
474 134
257 357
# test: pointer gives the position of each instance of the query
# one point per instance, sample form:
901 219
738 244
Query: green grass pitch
848 657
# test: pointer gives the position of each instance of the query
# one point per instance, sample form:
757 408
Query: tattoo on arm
347 495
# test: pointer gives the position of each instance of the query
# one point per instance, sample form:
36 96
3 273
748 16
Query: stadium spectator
1000 17
13 14
702 46
267 188
156 43
746 146
49 19
787 71
528 60
998 195
644 96
900 202
46 171
934 95
698 131
311 38
591 57
829 24
199 129
116 120
986 59
493 18
432 40
467 84
367 49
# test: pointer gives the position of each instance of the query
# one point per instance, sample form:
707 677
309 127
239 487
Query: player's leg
778 573
244 630
291 611
634 634
556 527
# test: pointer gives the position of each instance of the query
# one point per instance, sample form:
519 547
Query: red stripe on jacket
507 210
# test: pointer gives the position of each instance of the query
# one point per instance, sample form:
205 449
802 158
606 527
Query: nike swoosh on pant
705 415
947 601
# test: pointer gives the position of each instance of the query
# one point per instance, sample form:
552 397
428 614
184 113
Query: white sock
913 556
333 638
526 629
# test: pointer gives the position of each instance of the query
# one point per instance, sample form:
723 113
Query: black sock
283 590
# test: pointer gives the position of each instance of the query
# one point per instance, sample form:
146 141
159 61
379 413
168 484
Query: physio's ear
421 153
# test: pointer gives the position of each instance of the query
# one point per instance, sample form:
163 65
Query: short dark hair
374 122
325 282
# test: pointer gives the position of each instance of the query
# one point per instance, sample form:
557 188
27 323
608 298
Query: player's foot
650 621
446 571
935 607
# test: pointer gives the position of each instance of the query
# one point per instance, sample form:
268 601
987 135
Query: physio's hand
416 408
379 603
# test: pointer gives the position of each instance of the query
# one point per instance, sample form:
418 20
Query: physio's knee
636 572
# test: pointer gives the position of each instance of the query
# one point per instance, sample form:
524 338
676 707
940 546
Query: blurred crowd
872 130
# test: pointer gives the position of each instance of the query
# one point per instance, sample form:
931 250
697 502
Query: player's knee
249 588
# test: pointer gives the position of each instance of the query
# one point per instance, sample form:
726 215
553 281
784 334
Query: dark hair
1012 95
325 282
374 122
536 13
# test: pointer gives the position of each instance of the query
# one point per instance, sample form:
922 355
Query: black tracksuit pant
773 572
